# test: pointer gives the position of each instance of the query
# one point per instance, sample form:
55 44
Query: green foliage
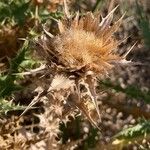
143 24
131 91
8 85
132 135
45 16
14 11
6 106
28 63
8 82
90 141
98 5
17 12
141 129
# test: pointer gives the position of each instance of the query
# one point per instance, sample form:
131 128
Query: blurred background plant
123 98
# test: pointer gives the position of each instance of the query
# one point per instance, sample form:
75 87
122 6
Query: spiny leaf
7 82
141 129
6 106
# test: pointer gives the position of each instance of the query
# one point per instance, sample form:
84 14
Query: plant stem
98 5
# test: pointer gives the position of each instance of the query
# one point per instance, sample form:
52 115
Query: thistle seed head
84 43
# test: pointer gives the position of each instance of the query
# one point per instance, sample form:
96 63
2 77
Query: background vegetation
124 96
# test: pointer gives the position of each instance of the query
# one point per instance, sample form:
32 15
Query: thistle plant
76 51
82 51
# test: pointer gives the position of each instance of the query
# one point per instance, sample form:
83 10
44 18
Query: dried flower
85 43
84 48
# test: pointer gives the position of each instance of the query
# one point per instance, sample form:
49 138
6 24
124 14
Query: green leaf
8 82
143 24
6 106
14 11
19 13
141 129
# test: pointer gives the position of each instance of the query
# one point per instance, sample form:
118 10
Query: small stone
108 110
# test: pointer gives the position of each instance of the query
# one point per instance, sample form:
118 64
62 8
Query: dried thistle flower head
84 43
84 47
